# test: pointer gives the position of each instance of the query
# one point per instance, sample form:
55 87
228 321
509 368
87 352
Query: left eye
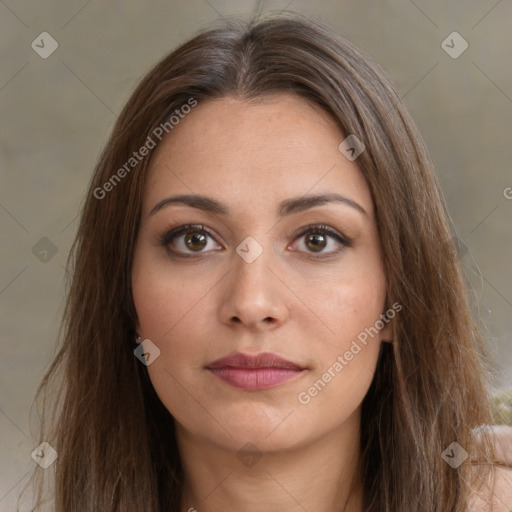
320 239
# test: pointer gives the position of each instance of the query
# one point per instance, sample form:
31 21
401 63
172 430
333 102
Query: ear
138 337
136 328
387 318
386 333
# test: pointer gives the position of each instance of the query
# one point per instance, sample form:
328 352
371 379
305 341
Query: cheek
165 301
169 313
176 311
347 358
352 304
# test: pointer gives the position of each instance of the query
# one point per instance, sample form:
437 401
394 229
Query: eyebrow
287 207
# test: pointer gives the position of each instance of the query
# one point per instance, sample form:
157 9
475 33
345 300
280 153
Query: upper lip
265 360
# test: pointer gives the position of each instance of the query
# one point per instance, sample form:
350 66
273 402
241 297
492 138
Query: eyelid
343 241
170 234
323 228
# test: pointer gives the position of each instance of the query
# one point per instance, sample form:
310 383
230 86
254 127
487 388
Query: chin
258 440
268 433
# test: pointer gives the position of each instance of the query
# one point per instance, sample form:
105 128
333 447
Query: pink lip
255 372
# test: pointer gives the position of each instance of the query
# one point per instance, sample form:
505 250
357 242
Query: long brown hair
115 439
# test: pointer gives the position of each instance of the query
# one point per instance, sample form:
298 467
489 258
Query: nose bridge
251 275
254 294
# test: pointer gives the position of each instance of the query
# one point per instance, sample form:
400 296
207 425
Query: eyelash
169 235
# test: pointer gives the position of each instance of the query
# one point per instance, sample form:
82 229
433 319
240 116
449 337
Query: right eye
188 240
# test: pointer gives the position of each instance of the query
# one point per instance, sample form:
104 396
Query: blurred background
67 69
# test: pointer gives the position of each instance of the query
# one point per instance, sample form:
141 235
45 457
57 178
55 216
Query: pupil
316 242
196 241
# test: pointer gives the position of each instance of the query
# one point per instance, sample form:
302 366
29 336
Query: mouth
255 372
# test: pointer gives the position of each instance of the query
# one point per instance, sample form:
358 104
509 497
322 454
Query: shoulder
495 494
503 443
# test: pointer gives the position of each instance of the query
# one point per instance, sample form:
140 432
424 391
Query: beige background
56 114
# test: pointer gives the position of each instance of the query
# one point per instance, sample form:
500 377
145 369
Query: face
263 269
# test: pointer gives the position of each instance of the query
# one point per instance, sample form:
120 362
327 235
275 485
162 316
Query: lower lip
255 379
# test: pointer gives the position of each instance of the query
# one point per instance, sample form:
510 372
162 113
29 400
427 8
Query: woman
266 311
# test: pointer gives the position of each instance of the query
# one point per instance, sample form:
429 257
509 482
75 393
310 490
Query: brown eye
189 240
316 242
321 240
196 241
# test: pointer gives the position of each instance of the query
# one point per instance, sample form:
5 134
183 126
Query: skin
503 435
251 156
495 495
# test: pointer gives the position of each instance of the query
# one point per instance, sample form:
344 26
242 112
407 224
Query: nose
253 296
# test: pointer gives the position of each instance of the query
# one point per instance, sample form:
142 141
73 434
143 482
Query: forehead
254 152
